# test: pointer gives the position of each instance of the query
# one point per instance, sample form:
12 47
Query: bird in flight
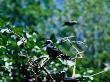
70 23
54 52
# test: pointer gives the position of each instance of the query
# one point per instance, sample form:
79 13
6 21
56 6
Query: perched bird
54 52
70 23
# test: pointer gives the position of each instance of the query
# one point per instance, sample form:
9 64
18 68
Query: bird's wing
57 50
61 54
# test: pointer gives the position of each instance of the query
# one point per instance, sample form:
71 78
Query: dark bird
70 23
54 52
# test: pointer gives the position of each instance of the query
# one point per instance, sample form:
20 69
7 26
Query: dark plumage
70 23
54 52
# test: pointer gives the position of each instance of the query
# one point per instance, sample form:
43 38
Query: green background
42 20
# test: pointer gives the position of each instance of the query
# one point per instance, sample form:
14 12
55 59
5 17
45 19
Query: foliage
39 20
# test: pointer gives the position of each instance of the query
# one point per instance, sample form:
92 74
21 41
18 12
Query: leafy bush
35 21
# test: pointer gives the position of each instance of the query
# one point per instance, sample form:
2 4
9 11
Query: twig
68 37
76 57
98 73
43 68
15 33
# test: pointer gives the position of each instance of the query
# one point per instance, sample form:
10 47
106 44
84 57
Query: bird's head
48 43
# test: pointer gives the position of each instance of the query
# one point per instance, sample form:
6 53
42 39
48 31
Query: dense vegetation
35 21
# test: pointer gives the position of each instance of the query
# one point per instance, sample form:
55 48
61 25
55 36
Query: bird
54 52
70 23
